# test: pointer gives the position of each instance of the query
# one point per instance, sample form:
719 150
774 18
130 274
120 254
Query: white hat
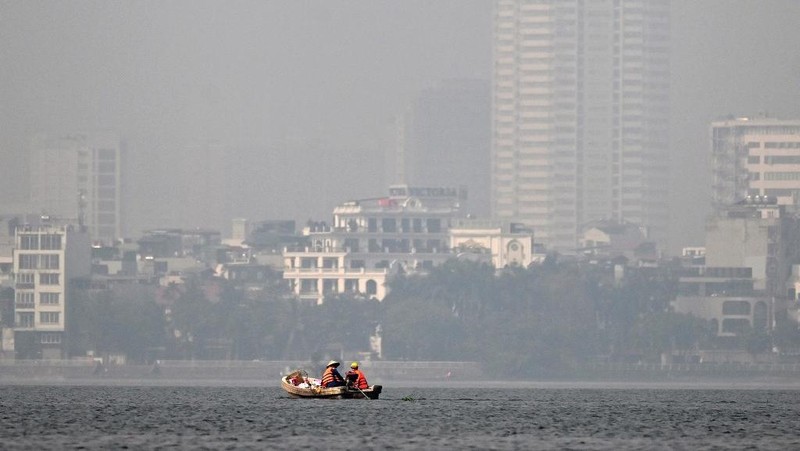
332 363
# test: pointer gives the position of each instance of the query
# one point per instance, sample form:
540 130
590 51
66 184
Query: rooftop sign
415 191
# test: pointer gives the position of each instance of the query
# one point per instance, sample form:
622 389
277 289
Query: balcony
327 271
24 305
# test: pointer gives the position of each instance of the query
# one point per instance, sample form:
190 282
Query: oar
356 387
362 392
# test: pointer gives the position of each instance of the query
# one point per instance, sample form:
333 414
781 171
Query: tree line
518 321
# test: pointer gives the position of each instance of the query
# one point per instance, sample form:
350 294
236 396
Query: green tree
125 320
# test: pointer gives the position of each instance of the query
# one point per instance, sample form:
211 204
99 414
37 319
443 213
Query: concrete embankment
379 372
200 371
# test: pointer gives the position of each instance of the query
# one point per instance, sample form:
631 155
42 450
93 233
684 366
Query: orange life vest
360 379
331 375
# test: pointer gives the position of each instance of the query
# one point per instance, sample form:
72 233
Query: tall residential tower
77 178
580 115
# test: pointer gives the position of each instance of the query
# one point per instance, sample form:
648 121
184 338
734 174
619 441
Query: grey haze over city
271 110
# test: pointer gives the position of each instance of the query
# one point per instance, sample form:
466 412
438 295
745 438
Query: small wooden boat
299 385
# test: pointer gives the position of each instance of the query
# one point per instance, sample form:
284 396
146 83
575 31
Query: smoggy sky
268 109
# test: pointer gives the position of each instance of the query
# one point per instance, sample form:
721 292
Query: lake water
531 417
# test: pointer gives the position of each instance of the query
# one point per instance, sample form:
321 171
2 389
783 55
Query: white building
580 115
46 258
369 238
499 243
755 157
77 178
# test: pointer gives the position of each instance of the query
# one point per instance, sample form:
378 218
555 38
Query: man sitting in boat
331 376
355 377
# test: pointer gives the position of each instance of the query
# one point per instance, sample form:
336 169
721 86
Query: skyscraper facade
76 178
755 157
580 115
442 140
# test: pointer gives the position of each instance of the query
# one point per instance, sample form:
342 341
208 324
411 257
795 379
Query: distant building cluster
565 152
748 274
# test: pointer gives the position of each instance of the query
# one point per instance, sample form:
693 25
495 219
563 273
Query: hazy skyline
296 97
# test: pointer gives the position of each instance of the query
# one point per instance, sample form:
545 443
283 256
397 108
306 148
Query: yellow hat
354 365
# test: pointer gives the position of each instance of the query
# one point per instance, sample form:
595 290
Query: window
351 285
389 225
49 317
735 308
372 288
25 277
24 299
49 278
27 261
50 339
389 245
48 298
351 244
106 166
330 286
106 154
25 319
51 242
754 160
782 159
372 246
781 176
29 242
308 286
434 225
434 245
48 262
372 225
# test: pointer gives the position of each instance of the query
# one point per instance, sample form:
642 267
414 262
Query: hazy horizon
297 99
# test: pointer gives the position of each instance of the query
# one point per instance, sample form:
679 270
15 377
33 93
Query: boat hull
373 392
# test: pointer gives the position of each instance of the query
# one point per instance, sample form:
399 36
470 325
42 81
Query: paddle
362 392
352 383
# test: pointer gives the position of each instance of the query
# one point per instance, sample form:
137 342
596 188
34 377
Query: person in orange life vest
356 378
331 376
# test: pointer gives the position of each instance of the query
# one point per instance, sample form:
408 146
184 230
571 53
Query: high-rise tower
442 140
755 157
77 178
580 115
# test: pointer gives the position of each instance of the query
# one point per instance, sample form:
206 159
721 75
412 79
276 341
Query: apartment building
755 157
580 115
443 140
77 178
46 258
